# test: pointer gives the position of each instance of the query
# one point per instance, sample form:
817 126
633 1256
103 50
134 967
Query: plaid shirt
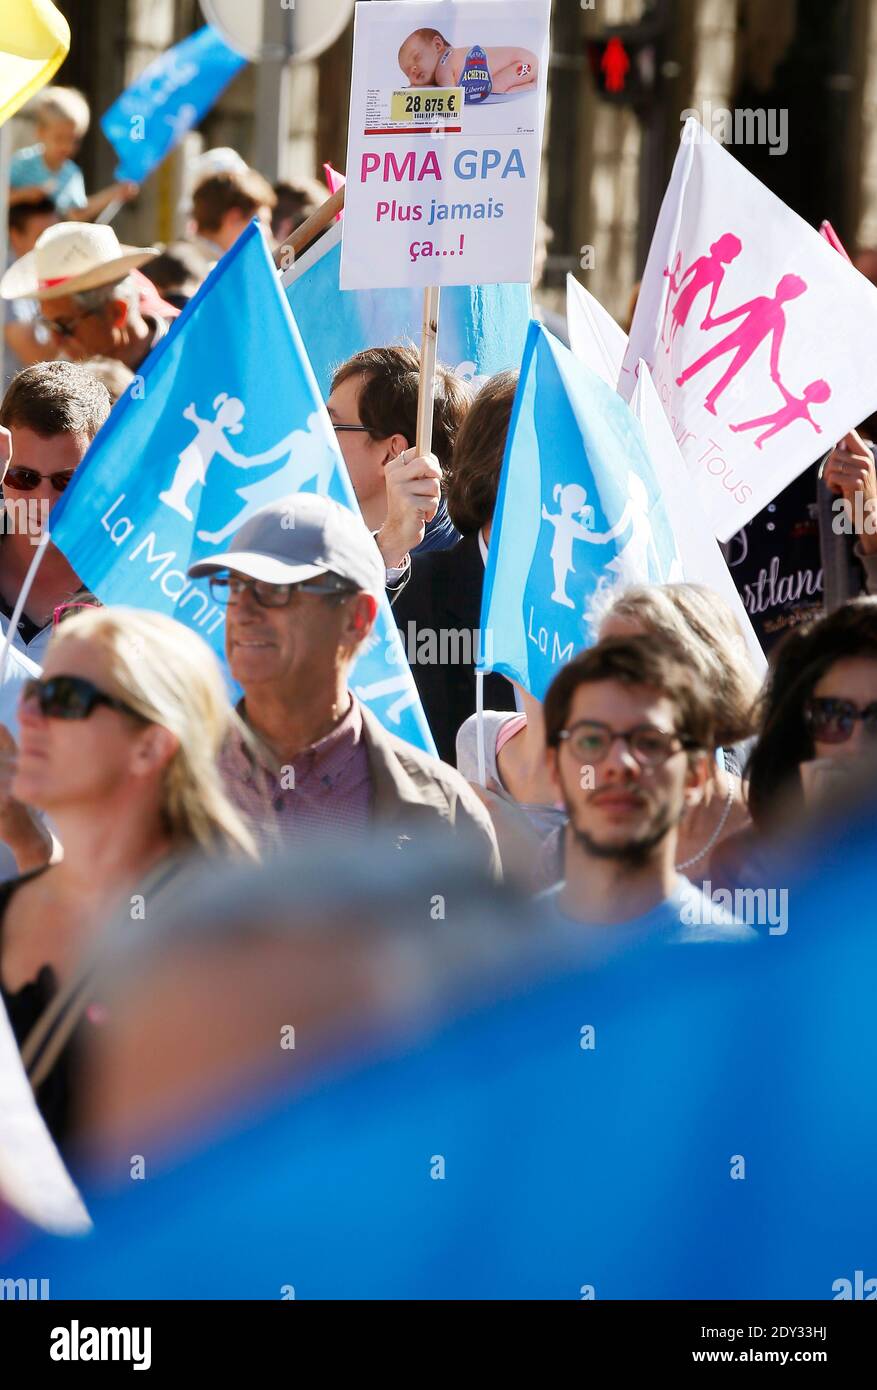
327 787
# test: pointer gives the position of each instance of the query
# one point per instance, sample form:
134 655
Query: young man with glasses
52 411
628 734
301 583
373 406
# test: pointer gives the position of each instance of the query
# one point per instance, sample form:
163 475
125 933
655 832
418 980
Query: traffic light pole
272 88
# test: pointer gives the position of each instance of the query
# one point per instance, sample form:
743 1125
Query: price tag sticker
429 106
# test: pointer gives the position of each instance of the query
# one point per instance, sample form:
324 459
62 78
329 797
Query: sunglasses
591 741
70 697
832 721
26 479
67 329
227 589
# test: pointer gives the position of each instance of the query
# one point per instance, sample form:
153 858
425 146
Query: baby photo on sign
491 55
428 60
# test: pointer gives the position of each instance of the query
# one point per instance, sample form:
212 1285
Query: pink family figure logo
796 408
705 271
763 317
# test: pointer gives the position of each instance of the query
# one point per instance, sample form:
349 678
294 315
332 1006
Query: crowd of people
657 768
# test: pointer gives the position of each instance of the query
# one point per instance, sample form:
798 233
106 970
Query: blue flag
223 418
579 512
482 328
168 98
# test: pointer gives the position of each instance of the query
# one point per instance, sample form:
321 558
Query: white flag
759 337
702 560
33 1178
594 336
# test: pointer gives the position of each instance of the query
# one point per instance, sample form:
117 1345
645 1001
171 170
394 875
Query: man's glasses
591 741
65 328
27 479
227 589
357 429
833 721
70 697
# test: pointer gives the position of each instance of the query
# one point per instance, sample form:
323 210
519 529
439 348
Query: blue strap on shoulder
475 78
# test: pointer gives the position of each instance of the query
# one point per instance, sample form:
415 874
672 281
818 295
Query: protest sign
579 512
444 147
702 560
224 417
482 330
34 41
756 332
171 95
594 336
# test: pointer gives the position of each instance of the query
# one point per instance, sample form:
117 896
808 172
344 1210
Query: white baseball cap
299 537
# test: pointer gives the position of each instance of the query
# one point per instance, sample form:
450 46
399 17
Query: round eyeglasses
591 741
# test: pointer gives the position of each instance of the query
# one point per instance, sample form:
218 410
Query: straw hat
69 258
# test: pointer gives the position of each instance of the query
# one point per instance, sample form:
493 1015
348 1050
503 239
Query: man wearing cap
93 299
301 582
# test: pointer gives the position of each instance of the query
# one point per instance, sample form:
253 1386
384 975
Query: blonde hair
168 674
63 104
704 626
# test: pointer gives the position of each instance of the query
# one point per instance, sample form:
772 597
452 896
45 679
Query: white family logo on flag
575 522
313 461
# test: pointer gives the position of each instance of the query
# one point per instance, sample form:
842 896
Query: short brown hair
296 199
55 398
244 189
478 454
652 662
388 397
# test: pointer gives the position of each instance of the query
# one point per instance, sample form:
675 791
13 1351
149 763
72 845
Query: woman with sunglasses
119 741
818 724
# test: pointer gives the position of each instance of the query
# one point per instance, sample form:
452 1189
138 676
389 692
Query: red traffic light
615 65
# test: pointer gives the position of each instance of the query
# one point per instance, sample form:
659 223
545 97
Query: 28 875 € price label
434 103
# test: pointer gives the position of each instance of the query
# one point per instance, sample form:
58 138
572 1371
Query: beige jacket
415 794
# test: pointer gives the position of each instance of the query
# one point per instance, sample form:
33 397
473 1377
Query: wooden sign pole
428 354
317 222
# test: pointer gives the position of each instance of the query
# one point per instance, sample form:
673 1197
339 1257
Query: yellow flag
34 41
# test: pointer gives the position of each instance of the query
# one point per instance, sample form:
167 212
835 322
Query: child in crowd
428 60
47 168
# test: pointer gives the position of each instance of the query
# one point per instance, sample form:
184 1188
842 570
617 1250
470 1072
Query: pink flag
831 236
335 181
